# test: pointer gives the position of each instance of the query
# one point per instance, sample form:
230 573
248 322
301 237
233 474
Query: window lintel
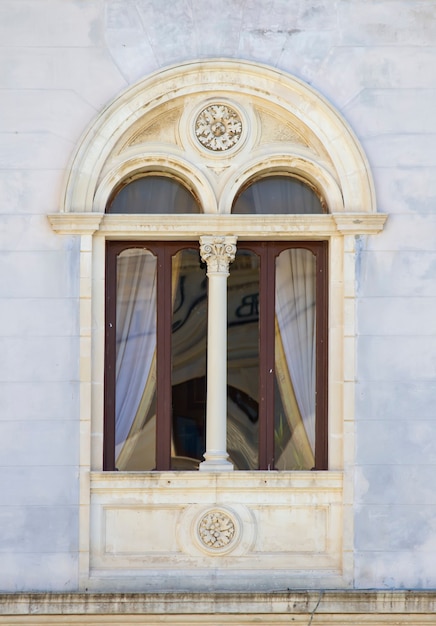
245 226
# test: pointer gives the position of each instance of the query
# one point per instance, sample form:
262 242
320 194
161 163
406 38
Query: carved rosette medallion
217 252
216 530
218 127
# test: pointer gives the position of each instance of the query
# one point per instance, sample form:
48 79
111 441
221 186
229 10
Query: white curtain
135 337
295 310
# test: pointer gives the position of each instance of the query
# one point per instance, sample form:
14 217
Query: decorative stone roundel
218 127
216 530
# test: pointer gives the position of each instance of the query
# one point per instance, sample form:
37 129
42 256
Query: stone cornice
75 223
360 224
167 605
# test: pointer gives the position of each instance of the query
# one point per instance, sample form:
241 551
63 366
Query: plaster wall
61 62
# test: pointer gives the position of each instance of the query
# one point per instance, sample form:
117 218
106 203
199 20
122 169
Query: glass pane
153 194
135 402
278 195
295 359
189 331
243 361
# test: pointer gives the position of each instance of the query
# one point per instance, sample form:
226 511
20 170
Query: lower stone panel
191 531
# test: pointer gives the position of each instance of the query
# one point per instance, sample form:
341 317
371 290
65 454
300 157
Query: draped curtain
135 336
295 310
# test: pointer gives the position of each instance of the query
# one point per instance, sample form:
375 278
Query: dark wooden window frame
268 252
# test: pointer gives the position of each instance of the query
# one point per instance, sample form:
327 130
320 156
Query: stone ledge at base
319 607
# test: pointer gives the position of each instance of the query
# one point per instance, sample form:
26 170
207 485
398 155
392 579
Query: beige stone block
85 288
349 244
336 354
336 445
349 490
85 359
349 444
349 275
336 311
84 511
97 452
85 317
85 401
349 401
349 317
85 443
84 492
85 263
349 359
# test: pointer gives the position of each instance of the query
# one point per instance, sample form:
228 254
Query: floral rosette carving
218 127
216 530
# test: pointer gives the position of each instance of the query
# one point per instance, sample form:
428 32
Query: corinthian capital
218 252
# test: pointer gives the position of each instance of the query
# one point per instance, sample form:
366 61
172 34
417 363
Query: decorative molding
218 127
218 253
318 123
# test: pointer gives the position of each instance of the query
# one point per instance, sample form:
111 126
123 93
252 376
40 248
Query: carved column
218 253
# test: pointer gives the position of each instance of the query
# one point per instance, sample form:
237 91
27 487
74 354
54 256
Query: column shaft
218 252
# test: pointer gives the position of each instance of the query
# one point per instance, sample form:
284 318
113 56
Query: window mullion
267 360
321 432
163 359
110 355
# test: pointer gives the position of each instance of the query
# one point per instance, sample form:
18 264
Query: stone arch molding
285 126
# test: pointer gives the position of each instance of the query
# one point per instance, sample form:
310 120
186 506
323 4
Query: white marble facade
61 63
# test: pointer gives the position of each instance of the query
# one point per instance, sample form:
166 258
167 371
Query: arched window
198 171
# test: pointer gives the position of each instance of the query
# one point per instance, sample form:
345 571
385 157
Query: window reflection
243 360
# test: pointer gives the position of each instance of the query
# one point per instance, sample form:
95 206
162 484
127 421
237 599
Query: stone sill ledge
236 480
340 602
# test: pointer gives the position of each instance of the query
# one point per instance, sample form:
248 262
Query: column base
215 464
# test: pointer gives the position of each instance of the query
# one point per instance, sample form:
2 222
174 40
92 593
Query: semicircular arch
318 123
